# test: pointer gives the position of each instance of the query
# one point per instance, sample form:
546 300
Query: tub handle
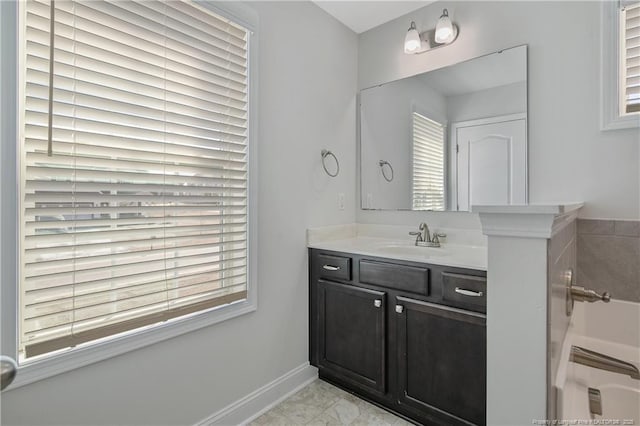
580 294
8 370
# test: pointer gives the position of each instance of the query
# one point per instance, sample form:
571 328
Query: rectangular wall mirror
447 139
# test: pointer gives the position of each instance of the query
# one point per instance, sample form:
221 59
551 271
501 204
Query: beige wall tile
627 228
610 263
600 227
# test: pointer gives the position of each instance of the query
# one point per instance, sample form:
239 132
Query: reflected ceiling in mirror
447 139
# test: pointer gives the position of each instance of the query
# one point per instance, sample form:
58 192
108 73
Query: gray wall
307 86
569 157
609 257
501 100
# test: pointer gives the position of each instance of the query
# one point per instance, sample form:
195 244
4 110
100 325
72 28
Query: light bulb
412 43
444 28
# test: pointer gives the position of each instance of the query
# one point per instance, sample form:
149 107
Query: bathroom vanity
408 335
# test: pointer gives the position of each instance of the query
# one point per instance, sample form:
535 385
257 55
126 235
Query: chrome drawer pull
469 292
377 303
331 268
399 309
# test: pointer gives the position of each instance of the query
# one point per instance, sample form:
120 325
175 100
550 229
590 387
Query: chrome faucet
424 239
426 235
603 362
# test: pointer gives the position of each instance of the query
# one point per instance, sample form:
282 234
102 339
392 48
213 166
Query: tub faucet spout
597 360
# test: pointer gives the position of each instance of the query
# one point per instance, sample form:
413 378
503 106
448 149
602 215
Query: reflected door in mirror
491 163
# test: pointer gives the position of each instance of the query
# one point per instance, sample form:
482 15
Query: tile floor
323 404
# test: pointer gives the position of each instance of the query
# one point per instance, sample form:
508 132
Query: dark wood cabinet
441 362
407 336
353 333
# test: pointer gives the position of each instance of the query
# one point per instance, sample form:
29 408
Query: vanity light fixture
444 33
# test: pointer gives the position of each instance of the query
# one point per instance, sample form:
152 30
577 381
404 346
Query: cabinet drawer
399 277
467 291
334 267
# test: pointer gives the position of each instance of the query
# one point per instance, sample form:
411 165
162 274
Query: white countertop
350 239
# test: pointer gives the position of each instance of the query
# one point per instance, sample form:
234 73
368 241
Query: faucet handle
436 237
418 236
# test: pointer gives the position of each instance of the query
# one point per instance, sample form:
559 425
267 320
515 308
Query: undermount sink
409 250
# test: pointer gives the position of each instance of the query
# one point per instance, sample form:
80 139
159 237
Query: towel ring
386 163
325 153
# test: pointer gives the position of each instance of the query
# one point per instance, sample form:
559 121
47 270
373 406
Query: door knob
377 303
8 370
399 309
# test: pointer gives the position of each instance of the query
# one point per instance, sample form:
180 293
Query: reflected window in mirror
428 178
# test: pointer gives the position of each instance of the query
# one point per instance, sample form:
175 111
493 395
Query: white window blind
139 215
630 57
428 164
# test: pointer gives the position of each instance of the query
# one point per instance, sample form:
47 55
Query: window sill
621 122
71 359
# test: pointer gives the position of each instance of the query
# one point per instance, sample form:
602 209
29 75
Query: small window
620 57
428 182
133 168
630 58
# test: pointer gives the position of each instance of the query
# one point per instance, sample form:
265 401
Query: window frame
89 353
610 114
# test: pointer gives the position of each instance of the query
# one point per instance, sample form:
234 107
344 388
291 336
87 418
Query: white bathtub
612 329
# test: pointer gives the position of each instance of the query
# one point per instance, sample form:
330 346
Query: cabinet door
352 333
441 362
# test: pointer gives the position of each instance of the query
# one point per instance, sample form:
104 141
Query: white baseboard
263 399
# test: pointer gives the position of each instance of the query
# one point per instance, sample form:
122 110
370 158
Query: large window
133 167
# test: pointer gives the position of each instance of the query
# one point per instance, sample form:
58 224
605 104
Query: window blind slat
60 298
61 266
38 287
138 245
84 306
179 155
140 214
147 20
137 106
105 311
